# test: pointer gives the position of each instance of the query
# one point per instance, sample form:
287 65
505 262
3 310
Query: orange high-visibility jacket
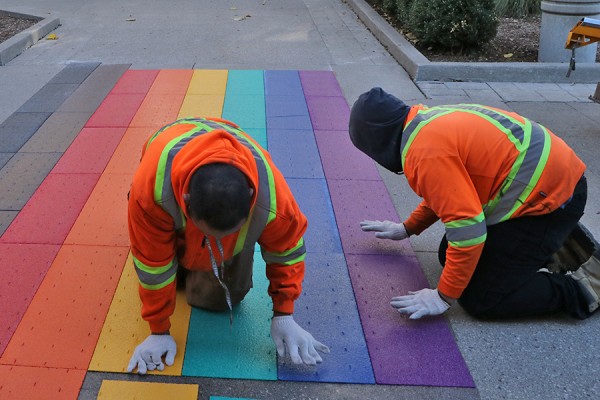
476 166
163 237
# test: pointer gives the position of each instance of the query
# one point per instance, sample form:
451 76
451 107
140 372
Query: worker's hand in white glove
148 354
420 303
299 344
385 229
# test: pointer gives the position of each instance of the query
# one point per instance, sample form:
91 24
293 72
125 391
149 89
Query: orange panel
33 383
126 158
103 220
158 109
172 81
63 322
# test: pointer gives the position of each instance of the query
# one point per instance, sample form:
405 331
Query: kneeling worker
510 194
204 194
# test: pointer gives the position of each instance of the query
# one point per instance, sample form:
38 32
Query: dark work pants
506 283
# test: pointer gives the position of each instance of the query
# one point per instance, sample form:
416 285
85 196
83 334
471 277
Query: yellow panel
120 390
124 328
202 105
207 81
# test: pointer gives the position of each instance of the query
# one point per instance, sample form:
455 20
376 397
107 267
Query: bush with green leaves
453 25
403 11
518 8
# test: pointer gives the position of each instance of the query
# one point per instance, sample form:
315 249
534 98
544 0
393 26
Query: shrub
455 25
403 11
517 8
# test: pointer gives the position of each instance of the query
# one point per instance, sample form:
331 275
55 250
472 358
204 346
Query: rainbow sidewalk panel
69 297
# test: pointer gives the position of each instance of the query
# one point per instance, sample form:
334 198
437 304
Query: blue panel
327 310
283 83
287 112
322 235
295 153
244 351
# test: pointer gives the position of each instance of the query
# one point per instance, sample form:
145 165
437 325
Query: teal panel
246 110
243 82
245 99
242 351
258 134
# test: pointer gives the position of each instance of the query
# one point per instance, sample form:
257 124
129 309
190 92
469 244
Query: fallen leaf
130 19
233 8
242 18
52 36
508 55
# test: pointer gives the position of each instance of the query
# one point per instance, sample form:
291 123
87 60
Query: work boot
588 279
579 247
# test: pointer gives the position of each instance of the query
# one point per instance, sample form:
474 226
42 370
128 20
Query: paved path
547 358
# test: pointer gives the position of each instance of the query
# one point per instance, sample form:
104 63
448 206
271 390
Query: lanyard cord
219 271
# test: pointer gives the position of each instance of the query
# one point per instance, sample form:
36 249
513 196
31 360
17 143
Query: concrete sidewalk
546 358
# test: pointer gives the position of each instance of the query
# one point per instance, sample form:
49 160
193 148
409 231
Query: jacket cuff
283 306
449 291
160 327
412 227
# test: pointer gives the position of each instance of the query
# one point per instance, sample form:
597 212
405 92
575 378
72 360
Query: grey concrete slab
327 35
4 157
57 133
281 390
88 96
75 72
6 218
20 83
48 98
16 130
21 176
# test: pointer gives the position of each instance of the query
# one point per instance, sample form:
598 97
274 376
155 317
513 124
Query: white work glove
148 354
385 229
420 303
300 345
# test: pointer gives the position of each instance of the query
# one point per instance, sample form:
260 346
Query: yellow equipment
585 32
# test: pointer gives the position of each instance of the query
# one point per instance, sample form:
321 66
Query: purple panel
354 201
328 113
328 311
322 235
295 153
403 352
320 83
282 83
341 160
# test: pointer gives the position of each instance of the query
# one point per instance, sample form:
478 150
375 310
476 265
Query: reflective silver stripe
151 280
468 232
512 191
262 209
528 138
274 258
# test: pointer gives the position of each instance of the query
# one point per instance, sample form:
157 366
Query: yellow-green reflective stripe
470 242
466 222
414 131
271 178
161 168
535 177
159 285
293 249
241 239
294 261
151 270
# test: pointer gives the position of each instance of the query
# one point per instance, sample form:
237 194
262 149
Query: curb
421 69
14 46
